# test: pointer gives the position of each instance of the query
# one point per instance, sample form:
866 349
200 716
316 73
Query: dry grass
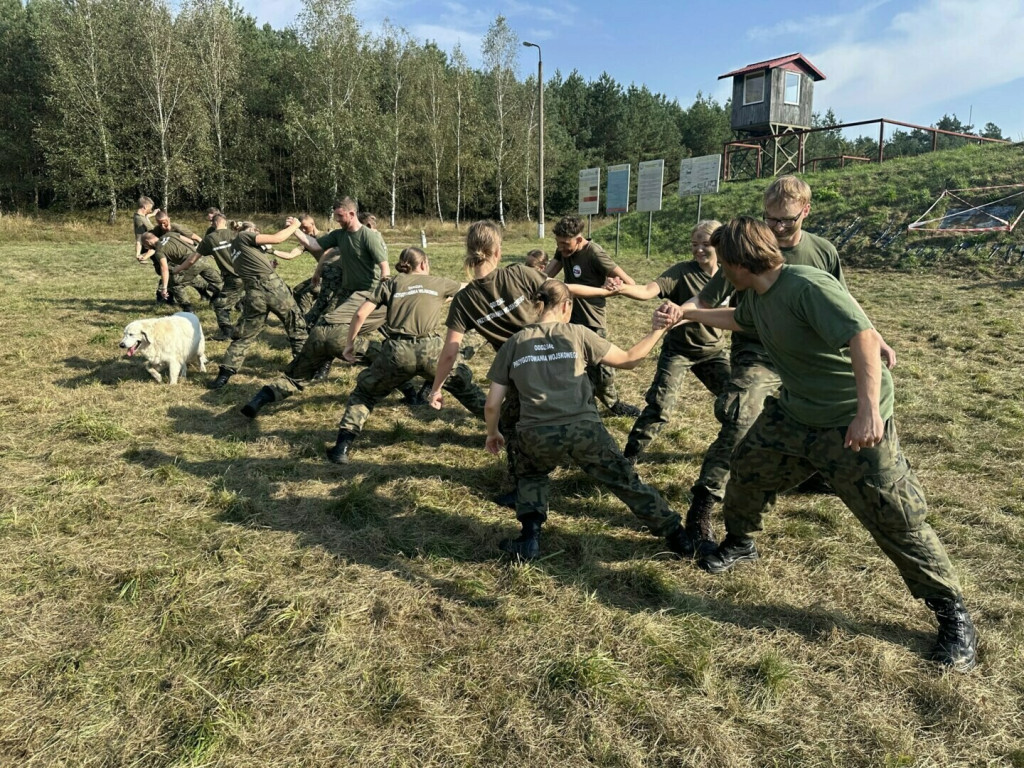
182 587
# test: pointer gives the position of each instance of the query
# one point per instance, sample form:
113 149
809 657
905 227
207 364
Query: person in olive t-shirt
692 346
586 263
141 224
546 362
787 202
833 415
187 268
217 245
265 292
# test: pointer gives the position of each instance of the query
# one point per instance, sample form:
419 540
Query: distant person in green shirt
547 364
141 223
586 263
833 415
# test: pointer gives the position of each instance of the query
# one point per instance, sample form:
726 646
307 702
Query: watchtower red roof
793 61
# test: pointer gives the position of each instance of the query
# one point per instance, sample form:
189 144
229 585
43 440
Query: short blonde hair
786 188
706 226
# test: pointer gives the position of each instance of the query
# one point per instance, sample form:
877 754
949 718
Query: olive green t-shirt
548 362
414 302
590 265
174 249
249 259
361 253
141 224
497 305
679 283
805 321
218 245
812 251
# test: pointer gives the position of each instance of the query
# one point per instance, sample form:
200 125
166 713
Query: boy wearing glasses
787 202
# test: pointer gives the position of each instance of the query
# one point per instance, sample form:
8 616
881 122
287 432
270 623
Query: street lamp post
540 140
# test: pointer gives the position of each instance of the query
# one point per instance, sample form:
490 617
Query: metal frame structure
784 157
921 225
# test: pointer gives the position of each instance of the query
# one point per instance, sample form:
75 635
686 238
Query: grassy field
181 587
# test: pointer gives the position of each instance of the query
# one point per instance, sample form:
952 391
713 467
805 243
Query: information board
649 181
699 175
617 194
590 191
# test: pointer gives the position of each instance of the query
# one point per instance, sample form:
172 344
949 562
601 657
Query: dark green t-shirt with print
805 321
217 244
590 265
414 302
361 253
250 260
496 305
548 362
174 249
680 283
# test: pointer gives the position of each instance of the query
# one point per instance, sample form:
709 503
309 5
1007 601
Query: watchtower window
792 88
753 88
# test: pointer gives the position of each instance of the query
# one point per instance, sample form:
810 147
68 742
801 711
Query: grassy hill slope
864 209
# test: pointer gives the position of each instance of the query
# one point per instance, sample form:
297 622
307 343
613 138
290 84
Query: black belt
407 337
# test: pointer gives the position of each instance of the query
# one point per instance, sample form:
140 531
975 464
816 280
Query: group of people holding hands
801 388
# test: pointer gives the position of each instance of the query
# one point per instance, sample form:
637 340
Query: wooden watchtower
770 101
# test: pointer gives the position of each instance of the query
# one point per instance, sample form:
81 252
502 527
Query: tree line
104 100
198 105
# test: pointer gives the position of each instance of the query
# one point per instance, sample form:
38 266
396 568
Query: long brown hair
549 295
483 240
410 259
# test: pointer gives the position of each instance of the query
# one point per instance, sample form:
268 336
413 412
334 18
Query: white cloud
842 24
932 55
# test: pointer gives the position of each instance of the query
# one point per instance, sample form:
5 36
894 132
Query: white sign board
590 191
699 175
649 181
617 194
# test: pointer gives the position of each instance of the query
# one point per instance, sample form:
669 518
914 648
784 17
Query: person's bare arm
669 315
630 358
867 429
349 353
620 273
639 292
492 412
385 270
186 263
280 236
165 277
553 268
445 363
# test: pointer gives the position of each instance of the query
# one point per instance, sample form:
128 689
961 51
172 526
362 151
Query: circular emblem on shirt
576 271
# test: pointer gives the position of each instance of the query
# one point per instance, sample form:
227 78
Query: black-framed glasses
774 221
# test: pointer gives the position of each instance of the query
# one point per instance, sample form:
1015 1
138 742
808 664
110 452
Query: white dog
173 341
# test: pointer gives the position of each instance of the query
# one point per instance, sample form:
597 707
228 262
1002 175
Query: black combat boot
222 378
732 550
339 453
411 395
323 371
264 396
957 643
624 409
698 520
527 545
632 452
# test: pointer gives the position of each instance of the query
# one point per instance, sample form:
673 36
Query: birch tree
501 61
395 54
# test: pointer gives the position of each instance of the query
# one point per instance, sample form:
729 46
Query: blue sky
908 60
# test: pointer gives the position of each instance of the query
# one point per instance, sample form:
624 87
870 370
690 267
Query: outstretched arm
279 236
349 353
628 359
669 315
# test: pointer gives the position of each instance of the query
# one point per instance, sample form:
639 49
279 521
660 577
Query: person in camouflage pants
543 448
833 415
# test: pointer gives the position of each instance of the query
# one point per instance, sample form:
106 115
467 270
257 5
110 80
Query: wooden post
650 225
881 138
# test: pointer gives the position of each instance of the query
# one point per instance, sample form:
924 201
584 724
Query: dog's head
135 338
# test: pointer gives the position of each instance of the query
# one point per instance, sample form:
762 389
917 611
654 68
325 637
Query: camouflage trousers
201 276
305 296
588 444
325 343
752 379
877 484
399 360
712 371
231 296
602 378
265 295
